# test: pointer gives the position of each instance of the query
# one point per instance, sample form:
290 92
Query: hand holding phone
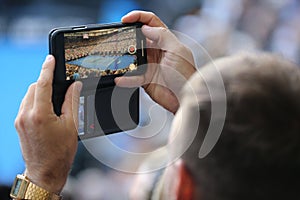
171 63
96 55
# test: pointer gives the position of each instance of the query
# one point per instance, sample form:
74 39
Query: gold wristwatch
23 188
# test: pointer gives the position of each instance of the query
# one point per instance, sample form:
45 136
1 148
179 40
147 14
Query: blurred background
220 27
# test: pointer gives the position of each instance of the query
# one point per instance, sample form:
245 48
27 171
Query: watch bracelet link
23 188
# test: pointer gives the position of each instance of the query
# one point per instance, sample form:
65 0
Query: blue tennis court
104 62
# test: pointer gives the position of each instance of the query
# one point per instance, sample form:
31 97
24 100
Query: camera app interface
99 53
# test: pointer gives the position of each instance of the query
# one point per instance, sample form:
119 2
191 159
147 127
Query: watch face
24 189
16 188
19 187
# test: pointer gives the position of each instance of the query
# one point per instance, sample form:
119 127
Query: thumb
71 103
162 37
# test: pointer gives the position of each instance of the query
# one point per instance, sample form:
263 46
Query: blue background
24 27
20 67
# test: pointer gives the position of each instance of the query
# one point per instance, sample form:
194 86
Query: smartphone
96 55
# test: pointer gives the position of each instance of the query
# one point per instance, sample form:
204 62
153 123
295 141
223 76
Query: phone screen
97 53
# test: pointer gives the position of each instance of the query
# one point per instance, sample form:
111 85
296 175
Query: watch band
23 188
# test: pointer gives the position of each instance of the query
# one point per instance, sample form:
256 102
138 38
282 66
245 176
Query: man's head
258 153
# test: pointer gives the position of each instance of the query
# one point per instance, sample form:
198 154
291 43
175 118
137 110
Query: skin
182 128
170 63
49 142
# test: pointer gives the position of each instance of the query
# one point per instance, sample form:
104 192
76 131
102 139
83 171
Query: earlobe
178 184
186 187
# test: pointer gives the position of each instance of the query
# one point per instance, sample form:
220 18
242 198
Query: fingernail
123 17
49 58
78 86
146 28
116 80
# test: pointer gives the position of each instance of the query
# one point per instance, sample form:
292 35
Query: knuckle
37 117
162 35
45 66
17 123
163 29
32 86
151 13
182 50
20 121
42 82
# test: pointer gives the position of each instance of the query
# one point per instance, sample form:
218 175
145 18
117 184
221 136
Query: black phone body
95 55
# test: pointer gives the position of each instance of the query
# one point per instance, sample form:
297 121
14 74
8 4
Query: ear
178 182
186 187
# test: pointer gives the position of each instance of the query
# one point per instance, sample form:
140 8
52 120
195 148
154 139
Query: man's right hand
48 142
170 63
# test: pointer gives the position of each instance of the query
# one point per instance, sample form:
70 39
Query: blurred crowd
114 45
109 44
226 27
221 27
218 27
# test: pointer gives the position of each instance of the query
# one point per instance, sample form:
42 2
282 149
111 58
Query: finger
145 17
162 95
130 82
25 107
43 93
71 102
27 102
162 37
